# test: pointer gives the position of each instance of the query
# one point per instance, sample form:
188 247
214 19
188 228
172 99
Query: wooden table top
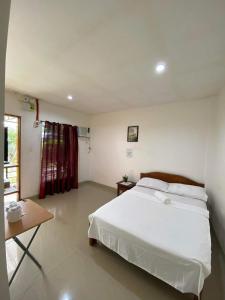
122 181
33 215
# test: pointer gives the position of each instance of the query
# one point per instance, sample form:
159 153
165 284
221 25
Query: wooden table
33 216
121 187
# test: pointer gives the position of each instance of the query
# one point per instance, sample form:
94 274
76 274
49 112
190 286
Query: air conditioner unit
84 132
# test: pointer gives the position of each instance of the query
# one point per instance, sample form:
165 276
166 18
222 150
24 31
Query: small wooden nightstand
124 187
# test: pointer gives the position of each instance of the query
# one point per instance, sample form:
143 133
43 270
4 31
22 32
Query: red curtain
59 165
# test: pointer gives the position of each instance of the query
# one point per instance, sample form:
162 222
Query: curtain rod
41 121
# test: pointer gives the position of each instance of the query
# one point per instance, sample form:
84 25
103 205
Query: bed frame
171 178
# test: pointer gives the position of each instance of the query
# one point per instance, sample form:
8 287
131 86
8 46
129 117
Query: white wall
215 179
4 18
31 139
172 137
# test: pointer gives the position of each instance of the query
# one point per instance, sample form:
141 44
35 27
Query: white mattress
170 241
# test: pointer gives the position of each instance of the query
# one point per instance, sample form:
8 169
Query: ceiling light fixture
160 67
70 97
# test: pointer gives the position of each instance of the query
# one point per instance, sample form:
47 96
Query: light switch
129 152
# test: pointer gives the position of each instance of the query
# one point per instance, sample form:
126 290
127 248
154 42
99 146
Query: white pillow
191 191
152 183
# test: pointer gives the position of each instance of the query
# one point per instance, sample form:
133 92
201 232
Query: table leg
26 252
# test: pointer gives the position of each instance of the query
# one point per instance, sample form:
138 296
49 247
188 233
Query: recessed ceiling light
70 97
160 67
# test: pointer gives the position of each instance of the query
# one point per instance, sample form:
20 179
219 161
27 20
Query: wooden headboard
171 178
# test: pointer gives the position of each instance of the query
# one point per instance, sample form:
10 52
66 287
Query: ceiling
103 52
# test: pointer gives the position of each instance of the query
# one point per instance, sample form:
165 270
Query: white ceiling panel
103 52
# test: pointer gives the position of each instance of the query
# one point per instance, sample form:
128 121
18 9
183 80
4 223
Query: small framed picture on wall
132 133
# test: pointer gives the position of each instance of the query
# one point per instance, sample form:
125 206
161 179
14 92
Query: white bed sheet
171 242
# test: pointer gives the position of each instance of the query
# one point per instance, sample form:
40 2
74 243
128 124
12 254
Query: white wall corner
4 17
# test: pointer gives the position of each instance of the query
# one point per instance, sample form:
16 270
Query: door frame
19 150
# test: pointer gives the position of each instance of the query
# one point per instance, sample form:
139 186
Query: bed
170 240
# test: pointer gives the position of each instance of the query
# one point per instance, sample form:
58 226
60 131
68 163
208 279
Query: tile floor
75 271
